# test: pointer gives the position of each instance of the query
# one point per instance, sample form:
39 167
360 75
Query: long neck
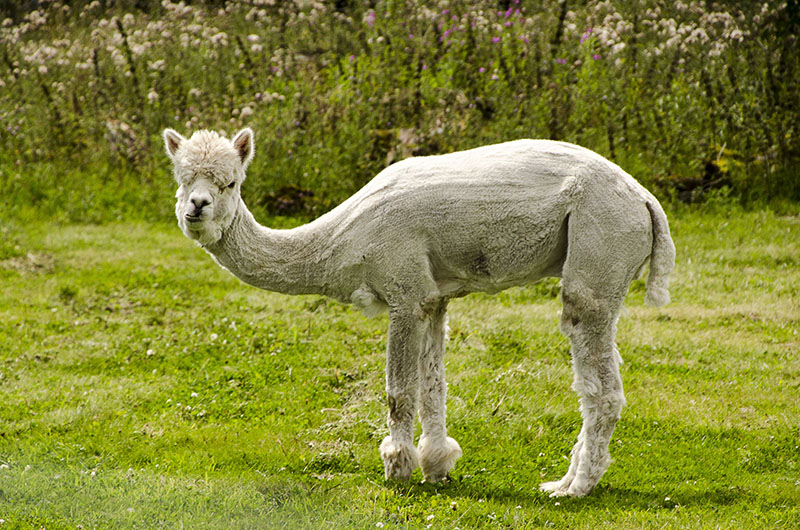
285 261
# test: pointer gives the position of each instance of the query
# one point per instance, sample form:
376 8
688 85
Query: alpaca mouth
193 218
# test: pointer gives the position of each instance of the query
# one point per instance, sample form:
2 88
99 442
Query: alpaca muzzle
194 210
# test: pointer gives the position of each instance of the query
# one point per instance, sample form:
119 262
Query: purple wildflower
481 69
495 39
561 61
597 56
586 35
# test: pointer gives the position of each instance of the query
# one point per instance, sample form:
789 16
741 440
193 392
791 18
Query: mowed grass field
141 386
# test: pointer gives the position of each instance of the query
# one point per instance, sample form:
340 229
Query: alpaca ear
243 143
172 141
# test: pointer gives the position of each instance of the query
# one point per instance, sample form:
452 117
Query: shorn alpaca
429 229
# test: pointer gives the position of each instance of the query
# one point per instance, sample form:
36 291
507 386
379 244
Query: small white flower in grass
379 525
430 517
213 336
195 394
245 112
556 504
150 352
4 466
152 96
43 69
253 38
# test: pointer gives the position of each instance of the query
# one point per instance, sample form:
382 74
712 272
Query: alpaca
428 229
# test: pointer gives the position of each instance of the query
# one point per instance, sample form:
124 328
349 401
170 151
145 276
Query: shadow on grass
602 497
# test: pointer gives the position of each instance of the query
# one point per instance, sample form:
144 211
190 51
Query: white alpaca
429 229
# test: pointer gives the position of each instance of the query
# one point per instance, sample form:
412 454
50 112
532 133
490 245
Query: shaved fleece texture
429 229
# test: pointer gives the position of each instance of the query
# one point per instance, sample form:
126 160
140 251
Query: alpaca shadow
603 496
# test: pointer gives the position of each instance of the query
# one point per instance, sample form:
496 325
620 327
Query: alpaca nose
200 202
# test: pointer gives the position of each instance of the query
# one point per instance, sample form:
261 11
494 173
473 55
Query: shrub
338 90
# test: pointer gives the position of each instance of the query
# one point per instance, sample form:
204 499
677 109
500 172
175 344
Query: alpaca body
479 220
429 229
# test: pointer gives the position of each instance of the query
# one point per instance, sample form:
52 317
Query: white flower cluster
689 29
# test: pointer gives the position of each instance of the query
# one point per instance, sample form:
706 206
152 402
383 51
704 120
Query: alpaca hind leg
406 333
560 487
438 452
589 322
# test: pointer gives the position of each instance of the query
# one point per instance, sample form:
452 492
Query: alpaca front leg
438 452
406 331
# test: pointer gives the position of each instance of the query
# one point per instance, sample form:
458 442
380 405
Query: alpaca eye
231 185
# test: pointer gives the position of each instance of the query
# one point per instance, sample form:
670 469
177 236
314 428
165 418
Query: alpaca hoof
438 457
399 459
556 488
579 488
567 487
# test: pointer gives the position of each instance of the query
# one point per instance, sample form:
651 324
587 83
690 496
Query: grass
143 387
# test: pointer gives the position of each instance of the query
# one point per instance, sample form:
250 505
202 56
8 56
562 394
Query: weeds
688 97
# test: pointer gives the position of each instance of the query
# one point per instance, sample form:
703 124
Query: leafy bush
687 96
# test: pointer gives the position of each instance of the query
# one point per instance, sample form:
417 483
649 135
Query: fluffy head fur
209 170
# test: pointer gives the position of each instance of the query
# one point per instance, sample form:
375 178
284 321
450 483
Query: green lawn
141 386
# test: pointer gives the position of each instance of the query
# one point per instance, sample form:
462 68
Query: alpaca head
209 170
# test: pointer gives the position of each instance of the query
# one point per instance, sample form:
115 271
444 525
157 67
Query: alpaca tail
662 258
